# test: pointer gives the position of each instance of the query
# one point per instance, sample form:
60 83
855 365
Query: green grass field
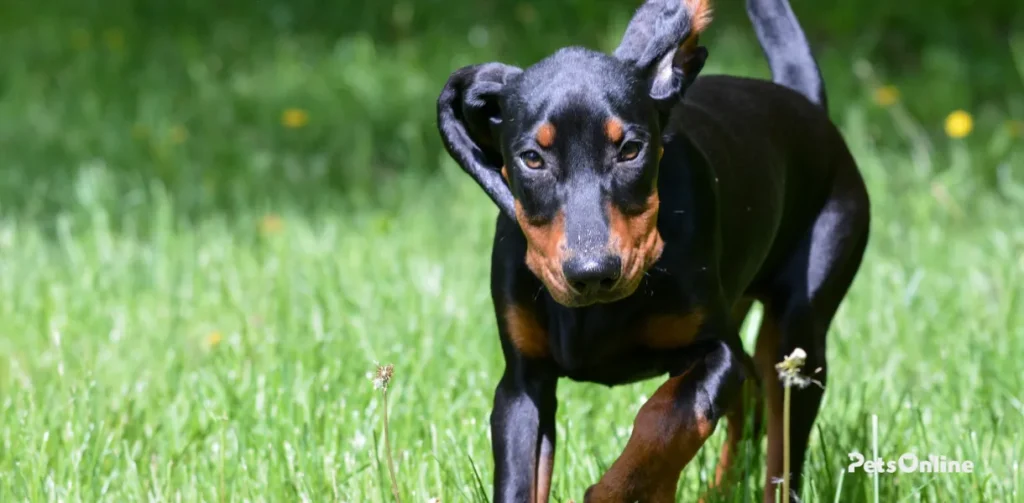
191 295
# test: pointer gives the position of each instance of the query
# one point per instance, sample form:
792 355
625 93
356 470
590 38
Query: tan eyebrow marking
613 129
546 135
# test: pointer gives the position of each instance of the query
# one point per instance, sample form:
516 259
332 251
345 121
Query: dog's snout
590 274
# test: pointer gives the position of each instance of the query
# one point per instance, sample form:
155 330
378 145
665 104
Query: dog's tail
786 48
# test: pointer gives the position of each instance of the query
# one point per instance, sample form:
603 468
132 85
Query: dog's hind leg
806 293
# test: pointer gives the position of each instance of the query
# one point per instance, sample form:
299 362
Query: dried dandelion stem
789 374
787 393
387 450
381 378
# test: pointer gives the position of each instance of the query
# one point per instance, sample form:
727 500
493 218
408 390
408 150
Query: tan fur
545 465
637 240
525 332
545 247
671 331
663 441
546 135
700 15
613 129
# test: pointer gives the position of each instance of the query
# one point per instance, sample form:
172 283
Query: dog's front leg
671 427
523 433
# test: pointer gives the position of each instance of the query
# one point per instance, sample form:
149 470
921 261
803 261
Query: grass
190 297
152 356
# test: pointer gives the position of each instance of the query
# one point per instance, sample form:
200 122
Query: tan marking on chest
671 331
525 332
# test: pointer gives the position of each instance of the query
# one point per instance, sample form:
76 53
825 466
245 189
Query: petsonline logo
908 462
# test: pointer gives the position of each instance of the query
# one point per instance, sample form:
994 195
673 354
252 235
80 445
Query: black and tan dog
643 210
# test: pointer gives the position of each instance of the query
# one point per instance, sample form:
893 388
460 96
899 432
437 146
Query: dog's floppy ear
661 41
468 114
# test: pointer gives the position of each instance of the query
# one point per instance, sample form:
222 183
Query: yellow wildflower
271 224
179 134
294 118
526 13
959 124
1015 127
114 39
139 131
213 339
887 96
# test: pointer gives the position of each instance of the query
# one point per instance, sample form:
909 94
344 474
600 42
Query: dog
642 211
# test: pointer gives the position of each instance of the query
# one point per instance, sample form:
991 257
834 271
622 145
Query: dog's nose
589 274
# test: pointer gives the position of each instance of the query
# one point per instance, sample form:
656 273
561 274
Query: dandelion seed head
382 376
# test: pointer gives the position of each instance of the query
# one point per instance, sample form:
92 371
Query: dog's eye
532 159
629 151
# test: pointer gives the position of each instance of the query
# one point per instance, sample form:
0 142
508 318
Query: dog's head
570 147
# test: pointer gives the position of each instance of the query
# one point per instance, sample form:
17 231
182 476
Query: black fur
759 199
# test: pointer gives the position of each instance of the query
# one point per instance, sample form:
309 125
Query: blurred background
235 100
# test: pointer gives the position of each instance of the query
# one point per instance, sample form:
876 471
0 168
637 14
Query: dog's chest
617 351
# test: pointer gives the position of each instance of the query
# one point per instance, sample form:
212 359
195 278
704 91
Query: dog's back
761 127
765 145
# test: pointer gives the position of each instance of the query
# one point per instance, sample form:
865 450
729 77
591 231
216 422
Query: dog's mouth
616 293
635 265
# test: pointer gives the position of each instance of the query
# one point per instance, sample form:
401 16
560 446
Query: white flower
359 441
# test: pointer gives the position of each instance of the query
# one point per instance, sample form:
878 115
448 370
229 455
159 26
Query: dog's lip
619 291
